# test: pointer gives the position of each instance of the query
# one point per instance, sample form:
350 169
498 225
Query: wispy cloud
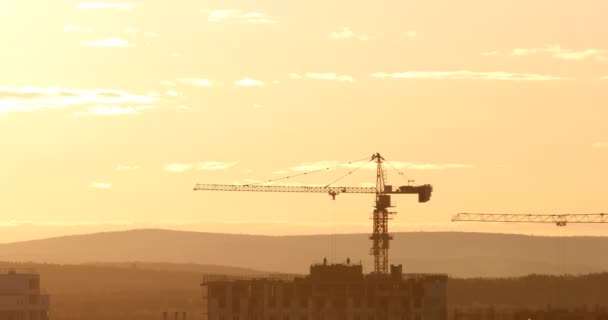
196 82
137 32
238 16
178 167
600 145
100 185
428 166
319 165
112 110
37 223
558 52
466 75
215 165
249 82
490 53
78 29
107 43
109 111
347 34
202 166
604 78
31 98
122 6
329 76
126 167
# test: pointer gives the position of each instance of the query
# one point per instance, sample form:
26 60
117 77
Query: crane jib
423 191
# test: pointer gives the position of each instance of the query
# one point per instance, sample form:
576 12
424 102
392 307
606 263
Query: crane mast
380 234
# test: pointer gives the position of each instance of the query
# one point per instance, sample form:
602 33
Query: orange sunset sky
110 112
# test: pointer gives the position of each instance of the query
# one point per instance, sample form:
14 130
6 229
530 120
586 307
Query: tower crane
561 220
380 236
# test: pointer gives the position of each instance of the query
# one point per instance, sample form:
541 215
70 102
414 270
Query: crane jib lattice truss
558 219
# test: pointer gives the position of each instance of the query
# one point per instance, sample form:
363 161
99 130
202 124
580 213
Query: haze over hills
458 254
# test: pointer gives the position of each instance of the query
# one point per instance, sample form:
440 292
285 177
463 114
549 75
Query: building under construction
330 291
335 291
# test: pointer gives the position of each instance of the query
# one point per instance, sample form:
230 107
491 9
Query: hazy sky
110 112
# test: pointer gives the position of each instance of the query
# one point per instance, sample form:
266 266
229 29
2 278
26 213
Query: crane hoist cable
399 172
349 173
307 173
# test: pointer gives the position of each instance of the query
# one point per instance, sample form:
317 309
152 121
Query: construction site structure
381 215
21 297
561 220
176 314
330 291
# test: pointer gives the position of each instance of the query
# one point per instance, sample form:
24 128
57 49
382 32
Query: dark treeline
143 291
533 291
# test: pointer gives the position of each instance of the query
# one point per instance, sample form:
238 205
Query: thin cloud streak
238 16
77 29
37 223
196 82
112 110
126 167
347 34
600 145
558 52
107 43
490 53
31 98
201 166
466 75
319 165
215 165
100 185
122 6
109 111
328 76
249 82
178 167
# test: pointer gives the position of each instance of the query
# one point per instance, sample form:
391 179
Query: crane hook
333 194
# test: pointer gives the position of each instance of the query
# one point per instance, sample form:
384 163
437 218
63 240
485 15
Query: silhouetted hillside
458 254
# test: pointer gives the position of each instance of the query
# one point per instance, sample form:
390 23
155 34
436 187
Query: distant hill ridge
456 253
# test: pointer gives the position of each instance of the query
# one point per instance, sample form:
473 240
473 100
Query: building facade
21 297
515 313
329 292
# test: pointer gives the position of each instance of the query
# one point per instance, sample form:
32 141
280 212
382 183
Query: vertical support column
380 236
205 293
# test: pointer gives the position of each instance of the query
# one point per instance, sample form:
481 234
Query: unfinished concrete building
330 291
